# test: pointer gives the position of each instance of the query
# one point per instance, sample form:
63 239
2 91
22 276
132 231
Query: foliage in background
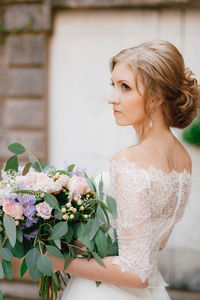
4 31
192 134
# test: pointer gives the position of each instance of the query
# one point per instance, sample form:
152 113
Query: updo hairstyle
160 68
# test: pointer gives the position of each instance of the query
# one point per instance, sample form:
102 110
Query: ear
154 103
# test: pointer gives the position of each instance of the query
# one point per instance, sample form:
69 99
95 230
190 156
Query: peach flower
79 185
14 210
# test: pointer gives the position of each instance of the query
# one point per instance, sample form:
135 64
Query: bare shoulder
136 153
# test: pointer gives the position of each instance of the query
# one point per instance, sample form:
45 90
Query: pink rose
14 210
44 210
79 185
63 180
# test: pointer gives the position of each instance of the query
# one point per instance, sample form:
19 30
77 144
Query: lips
116 111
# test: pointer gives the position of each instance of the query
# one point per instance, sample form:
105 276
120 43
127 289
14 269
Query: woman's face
128 104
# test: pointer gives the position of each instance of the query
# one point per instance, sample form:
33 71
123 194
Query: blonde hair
160 67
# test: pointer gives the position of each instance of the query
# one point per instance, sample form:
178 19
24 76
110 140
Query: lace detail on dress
149 203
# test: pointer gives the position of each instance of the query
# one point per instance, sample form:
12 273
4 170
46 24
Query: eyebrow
119 81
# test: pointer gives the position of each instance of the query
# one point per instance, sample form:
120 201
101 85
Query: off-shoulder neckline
150 168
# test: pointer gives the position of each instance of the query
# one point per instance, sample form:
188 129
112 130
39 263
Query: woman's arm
92 270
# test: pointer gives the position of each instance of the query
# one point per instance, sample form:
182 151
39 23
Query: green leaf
19 235
10 227
7 267
98 283
35 273
69 235
16 148
98 259
32 257
100 214
112 205
55 279
67 261
101 242
94 228
54 251
101 188
6 254
1 271
51 200
70 168
59 230
24 268
18 250
84 238
58 243
26 168
44 264
12 163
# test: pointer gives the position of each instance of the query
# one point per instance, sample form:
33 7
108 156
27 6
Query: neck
158 129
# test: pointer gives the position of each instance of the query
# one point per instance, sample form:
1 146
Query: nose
114 98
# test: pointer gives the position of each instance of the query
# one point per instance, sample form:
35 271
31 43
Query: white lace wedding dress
149 204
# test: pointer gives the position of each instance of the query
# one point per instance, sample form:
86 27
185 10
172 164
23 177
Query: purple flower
28 203
79 171
31 235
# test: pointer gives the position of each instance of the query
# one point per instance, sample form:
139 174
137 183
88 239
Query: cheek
134 109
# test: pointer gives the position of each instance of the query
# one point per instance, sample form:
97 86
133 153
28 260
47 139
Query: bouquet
44 210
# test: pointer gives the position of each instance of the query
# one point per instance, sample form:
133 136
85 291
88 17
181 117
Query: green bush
192 134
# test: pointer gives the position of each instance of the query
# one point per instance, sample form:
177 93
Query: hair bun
187 104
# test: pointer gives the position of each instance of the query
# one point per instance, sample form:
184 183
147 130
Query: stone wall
23 67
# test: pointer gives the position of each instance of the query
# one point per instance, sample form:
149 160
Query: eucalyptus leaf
54 251
112 205
18 250
67 261
84 238
100 214
51 200
58 243
35 273
26 168
59 230
23 268
101 188
12 163
69 234
32 257
7 268
101 242
44 264
6 254
10 227
19 235
16 148
70 168
55 279
1 271
98 283
94 228
98 259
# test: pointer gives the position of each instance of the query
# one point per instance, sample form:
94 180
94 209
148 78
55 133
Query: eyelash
124 85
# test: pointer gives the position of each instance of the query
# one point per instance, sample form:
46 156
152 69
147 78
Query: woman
151 181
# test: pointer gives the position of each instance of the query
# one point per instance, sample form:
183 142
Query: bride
151 181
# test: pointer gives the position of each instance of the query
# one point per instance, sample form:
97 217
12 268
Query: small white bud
63 210
74 209
71 216
80 202
68 204
65 217
82 208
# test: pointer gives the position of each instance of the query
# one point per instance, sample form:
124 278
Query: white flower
44 210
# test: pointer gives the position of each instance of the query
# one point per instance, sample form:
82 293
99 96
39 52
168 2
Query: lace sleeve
134 226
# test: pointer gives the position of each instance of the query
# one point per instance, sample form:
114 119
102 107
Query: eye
112 83
125 87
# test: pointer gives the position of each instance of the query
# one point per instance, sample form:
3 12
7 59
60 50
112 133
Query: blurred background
54 88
